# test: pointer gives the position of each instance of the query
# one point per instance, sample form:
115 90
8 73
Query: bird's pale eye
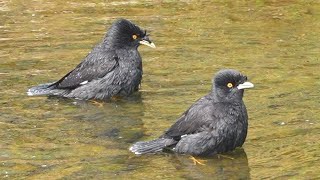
229 85
134 36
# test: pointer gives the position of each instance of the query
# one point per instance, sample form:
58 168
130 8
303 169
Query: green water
275 43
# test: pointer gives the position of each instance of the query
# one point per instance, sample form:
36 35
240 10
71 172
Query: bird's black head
229 85
125 34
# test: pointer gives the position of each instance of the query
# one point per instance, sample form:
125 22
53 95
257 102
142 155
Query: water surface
276 44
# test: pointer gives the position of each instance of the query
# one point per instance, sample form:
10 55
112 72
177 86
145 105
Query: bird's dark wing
197 116
96 65
202 143
226 130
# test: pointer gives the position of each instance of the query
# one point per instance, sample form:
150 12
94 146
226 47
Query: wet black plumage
216 123
112 68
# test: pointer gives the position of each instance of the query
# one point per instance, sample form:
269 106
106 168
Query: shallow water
275 43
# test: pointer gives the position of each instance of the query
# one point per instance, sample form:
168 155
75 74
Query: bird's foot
198 161
116 98
225 156
96 103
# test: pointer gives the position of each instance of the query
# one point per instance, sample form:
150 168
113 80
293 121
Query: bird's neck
217 98
129 58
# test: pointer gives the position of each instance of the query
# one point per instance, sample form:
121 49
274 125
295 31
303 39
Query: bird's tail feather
153 146
42 89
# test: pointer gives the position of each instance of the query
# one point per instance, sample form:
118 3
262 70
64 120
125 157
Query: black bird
112 68
216 123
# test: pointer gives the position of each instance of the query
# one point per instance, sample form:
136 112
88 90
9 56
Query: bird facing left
112 68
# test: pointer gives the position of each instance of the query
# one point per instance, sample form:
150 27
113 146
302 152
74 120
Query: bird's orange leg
198 161
96 103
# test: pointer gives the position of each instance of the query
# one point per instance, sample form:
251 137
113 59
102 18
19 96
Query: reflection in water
232 165
119 119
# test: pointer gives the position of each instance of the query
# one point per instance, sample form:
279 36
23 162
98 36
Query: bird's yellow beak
147 43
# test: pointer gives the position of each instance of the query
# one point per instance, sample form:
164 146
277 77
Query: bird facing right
216 123
112 69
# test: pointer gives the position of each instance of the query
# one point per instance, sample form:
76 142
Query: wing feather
96 65
193 119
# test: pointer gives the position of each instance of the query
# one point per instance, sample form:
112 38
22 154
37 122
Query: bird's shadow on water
116 120
231 165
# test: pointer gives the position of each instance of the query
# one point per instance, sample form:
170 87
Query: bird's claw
225 156
96 103
198 161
